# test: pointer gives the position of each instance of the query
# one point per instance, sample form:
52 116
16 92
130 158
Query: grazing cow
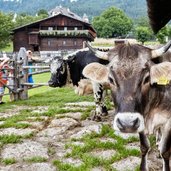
141 92
69 69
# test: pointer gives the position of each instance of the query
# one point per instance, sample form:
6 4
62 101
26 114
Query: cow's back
77 65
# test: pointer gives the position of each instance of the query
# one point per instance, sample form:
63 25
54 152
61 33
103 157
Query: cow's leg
165 149
145 146
99 95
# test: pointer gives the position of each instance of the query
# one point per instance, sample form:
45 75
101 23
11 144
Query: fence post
84 44
23 73
13 95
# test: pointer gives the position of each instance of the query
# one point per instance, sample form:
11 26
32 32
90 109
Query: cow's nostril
126 125
136 123
119 124
50 83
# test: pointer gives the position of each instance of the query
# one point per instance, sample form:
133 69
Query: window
50 28
75 43
65 28
64 42
49 42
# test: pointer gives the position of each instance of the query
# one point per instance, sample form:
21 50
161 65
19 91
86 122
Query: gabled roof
65 11
159 12
57 12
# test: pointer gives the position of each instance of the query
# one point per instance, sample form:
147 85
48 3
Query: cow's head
58 69
131 74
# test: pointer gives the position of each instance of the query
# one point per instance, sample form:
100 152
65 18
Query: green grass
13 139
37 159
7 139
54 98
103 44
92 143
52 95
40 78
9 161
14 125
57 96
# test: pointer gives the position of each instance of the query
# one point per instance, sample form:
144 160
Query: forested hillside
133 8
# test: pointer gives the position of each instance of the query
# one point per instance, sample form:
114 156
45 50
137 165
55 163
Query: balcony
63 33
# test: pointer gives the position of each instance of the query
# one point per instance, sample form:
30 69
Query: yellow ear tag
163 81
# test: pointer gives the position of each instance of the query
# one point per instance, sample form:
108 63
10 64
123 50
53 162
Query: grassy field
99 42
46 95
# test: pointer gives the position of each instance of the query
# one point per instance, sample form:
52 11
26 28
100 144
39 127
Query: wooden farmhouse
62 30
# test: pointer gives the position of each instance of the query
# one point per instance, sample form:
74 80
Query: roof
65 11
159 12
57 12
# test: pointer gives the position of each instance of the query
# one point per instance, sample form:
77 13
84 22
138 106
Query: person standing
30 61
3 75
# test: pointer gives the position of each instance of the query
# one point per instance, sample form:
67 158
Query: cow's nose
120 124
128 122
50 83
128 126
136 123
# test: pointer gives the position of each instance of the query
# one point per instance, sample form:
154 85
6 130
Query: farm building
62 30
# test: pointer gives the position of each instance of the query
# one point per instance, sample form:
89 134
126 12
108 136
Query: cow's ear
96 72
161 73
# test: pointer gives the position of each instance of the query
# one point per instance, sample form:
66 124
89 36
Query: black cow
141 92
69 69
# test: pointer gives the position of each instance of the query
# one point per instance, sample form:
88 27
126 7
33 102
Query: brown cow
141 92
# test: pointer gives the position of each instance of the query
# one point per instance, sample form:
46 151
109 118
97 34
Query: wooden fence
18 84
18 81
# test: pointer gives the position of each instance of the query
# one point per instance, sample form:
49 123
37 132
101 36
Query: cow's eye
146 79
111 80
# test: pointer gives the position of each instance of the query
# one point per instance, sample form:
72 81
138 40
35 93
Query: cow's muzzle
52 84
128 122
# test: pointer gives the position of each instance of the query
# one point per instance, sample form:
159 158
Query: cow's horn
99 54
161 51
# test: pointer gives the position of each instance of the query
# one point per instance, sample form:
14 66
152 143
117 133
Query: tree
169 30
5 29
42 12
143 34
163 34
112 23
142 21
23 19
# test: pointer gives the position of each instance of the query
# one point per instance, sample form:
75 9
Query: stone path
49 139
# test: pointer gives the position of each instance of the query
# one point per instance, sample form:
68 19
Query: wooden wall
49 44
30 38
